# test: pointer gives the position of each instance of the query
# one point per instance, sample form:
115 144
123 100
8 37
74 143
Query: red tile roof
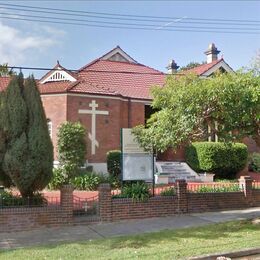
123 78
201 69
55 87
4 81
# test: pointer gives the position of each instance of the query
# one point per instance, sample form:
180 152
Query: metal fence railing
20 202
213 187
256 185
85 206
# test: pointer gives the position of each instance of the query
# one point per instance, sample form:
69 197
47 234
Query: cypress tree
29 155
4 179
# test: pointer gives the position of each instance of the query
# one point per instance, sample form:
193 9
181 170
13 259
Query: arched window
49 124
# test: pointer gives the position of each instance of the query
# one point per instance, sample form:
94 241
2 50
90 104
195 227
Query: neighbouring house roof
208 68
4 81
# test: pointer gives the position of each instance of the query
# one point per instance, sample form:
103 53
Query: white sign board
136 163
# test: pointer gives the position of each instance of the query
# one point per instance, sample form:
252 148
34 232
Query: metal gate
86 209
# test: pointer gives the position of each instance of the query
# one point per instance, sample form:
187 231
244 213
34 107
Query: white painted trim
222 64
66 76
118 50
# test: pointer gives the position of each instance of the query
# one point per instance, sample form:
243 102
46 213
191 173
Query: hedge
114 162
223 159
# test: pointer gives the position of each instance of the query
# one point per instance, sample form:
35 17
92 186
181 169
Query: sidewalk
107 230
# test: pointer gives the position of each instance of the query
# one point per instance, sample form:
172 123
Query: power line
128 24
129 28
130 15
179 21
86 71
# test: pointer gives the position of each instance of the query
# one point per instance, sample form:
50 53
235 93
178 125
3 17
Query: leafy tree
228 103
4 71
191 65
71 149
28 151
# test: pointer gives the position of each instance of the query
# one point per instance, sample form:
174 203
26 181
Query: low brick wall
112 209
28 218
256 197
202 202
153 207
17 219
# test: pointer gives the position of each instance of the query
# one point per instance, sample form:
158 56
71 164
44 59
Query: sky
35 44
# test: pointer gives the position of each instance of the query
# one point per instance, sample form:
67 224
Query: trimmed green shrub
223 159
254 162
168 192
114 162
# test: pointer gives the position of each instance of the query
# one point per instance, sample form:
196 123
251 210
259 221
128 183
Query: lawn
178 244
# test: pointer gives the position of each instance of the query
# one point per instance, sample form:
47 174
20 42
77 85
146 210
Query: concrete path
104 230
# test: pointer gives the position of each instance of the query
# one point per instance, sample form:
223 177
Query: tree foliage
71 149
228 103
27 152
4 71
191 65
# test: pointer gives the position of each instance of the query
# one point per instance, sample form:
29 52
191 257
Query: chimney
212 53
172 67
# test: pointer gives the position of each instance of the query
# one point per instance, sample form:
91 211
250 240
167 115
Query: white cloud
17 46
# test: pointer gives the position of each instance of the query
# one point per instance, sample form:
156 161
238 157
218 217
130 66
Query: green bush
223 159
254 162
7 199
168 192
114 162
57 180
87 181
137 191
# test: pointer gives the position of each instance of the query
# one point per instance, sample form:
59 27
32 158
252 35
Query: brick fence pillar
182 196
245 183
66 201
105 202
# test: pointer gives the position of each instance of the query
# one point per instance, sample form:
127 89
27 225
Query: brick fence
27 218
112 209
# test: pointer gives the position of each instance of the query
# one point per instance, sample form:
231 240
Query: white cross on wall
93 112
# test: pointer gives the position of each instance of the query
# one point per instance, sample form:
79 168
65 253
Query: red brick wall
56 110
154 207
256 198
26 218
203 202
251 144
17 219
183 202
107 126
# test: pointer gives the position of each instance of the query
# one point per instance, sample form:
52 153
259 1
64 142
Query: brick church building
107 94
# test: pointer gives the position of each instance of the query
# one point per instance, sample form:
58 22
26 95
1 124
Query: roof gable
117 54
58 73
207 69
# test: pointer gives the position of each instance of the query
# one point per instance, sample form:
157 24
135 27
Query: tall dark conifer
28 155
